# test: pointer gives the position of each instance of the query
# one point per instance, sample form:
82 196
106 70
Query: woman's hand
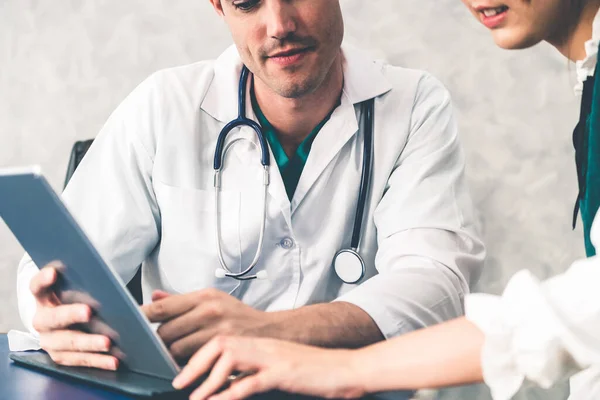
270 365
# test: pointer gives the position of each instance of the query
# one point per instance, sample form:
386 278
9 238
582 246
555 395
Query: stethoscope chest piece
349 266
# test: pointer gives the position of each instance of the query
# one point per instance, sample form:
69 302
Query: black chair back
77 153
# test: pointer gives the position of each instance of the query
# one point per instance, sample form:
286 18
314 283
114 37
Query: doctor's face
518 24
290 45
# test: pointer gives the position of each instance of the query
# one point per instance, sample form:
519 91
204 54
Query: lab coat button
287 243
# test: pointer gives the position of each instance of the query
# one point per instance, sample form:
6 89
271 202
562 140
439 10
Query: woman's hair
573 10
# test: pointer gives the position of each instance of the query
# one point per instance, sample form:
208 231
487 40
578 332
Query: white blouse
541 332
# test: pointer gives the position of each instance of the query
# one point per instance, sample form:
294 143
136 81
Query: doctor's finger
41 285
60 317
159 295
168 308
184 348
64 340
90 360
184 325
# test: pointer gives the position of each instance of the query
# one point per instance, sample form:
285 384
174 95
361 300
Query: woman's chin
510 40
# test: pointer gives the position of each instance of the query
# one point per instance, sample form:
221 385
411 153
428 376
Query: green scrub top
290 168
587 147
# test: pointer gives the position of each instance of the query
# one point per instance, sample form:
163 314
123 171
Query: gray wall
65 65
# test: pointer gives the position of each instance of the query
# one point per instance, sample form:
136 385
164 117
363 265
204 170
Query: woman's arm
443 355
447 354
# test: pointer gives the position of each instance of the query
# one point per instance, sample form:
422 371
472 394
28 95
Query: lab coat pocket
188 253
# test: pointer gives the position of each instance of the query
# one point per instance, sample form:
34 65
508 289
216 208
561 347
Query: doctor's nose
280 19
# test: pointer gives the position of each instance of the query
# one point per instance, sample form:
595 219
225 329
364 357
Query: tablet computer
48 232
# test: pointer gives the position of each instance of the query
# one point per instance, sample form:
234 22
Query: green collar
290 168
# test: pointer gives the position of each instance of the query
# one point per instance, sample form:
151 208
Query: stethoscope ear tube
349 266
220 152
225 270
240 121
368 129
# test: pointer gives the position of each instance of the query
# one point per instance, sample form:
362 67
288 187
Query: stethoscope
347 263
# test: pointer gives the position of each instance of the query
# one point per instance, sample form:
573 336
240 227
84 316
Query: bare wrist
354 373
274 326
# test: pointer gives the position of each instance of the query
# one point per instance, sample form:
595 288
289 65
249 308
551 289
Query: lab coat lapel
340 128
248 153
252 155
221 103
363 80
221 98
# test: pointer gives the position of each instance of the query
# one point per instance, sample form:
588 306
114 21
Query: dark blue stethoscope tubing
241 121
368 129
365 178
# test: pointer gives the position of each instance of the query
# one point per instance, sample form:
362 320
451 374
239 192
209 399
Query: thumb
42 286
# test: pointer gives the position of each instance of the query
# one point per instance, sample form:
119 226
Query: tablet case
131 383
123 380
47 230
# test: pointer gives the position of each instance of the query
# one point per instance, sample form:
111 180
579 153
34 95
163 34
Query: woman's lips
492 17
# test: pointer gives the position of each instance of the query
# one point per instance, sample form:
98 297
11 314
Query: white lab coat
543 332
144 194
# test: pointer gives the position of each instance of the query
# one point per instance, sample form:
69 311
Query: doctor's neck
294 118
570 39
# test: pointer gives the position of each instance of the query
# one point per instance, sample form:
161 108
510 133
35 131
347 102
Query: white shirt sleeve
111 194
428 250
540 332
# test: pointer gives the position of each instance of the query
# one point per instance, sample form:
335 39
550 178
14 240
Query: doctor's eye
246 5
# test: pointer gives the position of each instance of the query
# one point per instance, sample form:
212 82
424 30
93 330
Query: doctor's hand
267 364
55 323
191 320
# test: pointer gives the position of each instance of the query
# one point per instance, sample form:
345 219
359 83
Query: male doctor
144 194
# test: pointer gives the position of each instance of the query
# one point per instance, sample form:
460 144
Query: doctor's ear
218 7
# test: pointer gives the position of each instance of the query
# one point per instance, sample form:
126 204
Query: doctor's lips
289 56
492 16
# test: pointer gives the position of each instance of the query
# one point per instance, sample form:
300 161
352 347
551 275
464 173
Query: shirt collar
363 79
587 66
